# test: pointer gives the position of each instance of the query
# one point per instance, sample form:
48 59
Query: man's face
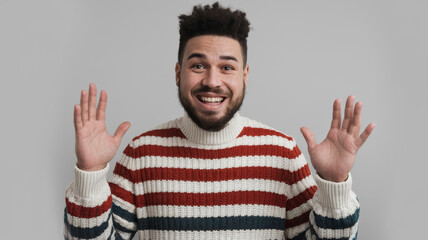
211 80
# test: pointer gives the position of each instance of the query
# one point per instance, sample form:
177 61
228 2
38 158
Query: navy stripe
130 217
211 224
330 238
121 228
79 232
331 223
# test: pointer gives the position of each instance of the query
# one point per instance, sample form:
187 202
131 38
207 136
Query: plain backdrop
302 55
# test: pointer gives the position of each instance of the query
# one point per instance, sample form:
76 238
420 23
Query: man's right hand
94 145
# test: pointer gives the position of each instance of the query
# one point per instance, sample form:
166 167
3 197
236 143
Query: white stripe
155 186
242 141
355 231
222 163
295 164
123 183
211 211
87 222
210 187
218 235
218 187
299 210
299 187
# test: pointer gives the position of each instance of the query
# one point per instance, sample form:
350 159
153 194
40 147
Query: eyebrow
201 55
229 58
196 55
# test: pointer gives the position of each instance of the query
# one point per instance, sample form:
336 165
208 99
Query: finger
309 137
355 127
337 115
348 112
77 117
92 100
84 106
102 105
363 137
121 130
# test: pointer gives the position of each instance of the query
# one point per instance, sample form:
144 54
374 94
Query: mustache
206 89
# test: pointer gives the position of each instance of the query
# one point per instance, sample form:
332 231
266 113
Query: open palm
94 145
334 157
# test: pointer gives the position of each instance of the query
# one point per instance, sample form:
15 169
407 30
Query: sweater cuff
90 184
334 195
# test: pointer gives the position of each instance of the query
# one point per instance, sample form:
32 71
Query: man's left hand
334 157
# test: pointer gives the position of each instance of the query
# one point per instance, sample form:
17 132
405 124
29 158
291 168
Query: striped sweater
247 181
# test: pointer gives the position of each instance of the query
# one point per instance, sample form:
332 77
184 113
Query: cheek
186 87
237 87
188 82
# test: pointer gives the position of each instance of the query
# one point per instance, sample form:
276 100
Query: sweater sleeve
319 209
97 209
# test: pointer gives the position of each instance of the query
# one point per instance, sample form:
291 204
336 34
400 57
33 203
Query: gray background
302 55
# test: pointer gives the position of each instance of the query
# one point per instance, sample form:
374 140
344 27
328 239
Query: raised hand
334 157
94 145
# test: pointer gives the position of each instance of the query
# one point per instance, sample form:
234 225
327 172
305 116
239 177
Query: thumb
309 137
121 130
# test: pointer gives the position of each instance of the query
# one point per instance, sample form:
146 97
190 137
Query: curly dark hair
214 20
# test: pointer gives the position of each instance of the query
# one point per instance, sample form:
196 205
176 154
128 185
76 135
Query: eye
197 66
228 68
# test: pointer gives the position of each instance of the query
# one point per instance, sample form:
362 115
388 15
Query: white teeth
211 99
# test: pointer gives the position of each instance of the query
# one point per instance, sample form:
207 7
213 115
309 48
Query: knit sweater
247 181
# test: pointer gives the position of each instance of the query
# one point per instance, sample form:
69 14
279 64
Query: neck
198 135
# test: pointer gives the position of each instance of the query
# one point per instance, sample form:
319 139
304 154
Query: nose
212 78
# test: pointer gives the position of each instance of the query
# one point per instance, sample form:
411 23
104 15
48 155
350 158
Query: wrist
88 168
337 179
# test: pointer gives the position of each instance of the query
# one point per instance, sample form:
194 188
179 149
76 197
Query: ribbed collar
196 134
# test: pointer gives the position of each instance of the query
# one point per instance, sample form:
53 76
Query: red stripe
304 218
170 132
88 212
299 175
255 132
122 193
211 175
211 199
301 198
187 152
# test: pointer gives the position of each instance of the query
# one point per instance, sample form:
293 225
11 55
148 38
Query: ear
246 72
177 74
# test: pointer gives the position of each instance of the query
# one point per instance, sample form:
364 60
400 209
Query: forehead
213 47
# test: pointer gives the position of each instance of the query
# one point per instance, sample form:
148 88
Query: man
212 174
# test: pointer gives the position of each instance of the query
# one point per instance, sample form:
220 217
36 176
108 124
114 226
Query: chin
210 122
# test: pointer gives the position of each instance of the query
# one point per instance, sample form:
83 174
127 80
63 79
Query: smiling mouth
211 100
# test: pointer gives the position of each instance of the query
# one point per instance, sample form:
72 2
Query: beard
207 120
